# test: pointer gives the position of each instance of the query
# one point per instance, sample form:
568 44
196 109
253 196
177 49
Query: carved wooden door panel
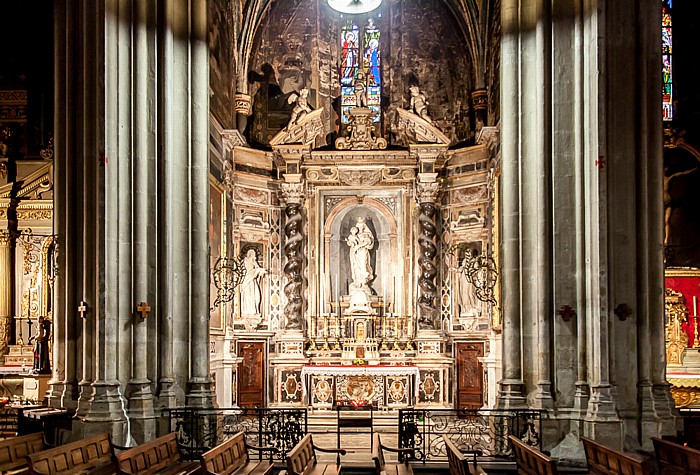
470 375
251 374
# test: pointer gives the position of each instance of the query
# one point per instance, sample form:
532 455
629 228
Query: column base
510 396
104 411
140 410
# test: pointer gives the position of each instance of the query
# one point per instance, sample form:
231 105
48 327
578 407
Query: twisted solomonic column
293 195
426 195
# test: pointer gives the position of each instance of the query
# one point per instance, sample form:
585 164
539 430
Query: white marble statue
419 103
361 243
251 293
466 295
301 108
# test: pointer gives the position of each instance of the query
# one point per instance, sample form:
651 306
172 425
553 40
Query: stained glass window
360 66
667 55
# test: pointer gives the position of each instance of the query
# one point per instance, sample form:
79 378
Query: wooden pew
676 459
459 465
301 460
161 455
231 457
381 467
531 461
92 455
603 460
14 450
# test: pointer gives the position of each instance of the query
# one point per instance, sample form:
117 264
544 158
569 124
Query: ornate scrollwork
226 274
292 193
481 271
361 134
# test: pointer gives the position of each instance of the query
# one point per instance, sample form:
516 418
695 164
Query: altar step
320 422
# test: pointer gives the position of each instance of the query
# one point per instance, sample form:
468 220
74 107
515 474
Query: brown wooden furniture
92 455
470 375
302 459
606 461
14 450
380 465
161 455
676 459
231 457
251 374
459 465
531 461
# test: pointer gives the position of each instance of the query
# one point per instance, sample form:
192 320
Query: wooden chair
92 455
231 457
676 459
161 455
301 460
459 465
531 461
14 450
380 465
603 460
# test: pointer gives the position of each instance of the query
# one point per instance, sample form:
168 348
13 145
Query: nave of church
464 217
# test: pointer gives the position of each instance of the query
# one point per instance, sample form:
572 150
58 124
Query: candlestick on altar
337 332
696 340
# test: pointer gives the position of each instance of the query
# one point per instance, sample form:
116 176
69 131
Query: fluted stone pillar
5 292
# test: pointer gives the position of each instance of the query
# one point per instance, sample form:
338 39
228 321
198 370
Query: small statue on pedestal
42 363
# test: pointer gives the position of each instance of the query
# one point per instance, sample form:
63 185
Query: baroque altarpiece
353 215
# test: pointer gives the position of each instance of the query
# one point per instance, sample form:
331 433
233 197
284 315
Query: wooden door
251 374
470 375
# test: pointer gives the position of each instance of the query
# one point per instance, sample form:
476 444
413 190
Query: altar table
387 386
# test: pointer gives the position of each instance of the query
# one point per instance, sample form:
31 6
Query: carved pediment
35 186
305 130
412 129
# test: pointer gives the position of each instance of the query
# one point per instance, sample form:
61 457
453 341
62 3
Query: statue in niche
419 104
466 294
361 243
251 293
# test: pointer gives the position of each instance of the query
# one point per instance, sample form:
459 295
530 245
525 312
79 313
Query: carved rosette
293 195
426 195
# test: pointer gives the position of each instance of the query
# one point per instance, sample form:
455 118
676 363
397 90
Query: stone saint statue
361 243
466 296
419 103
251 293
41 347
301 108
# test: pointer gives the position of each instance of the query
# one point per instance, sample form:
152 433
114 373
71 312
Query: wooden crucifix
83 309
143 309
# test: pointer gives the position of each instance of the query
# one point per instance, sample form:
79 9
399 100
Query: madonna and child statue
361 243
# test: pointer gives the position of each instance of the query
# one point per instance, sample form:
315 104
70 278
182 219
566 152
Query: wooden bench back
227 457
13 450
302 457
531 461
459 465
73 457
150 457
603 460
377 453
676 459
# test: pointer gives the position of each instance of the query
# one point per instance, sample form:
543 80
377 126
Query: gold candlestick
696 342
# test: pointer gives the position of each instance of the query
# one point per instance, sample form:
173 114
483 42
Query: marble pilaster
5 291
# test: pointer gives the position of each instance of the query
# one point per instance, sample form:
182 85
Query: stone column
293 191
139 394
199 387
5 292
427 190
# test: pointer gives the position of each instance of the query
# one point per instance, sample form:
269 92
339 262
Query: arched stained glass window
667 54
360 66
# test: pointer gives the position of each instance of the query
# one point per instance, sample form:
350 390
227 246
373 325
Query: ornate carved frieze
399 174
34 212
322 174
251 195
363 156
13 106
470 195
354 177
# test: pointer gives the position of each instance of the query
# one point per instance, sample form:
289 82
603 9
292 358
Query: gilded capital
4 237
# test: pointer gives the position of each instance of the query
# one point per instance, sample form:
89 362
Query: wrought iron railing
201 428
484 431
